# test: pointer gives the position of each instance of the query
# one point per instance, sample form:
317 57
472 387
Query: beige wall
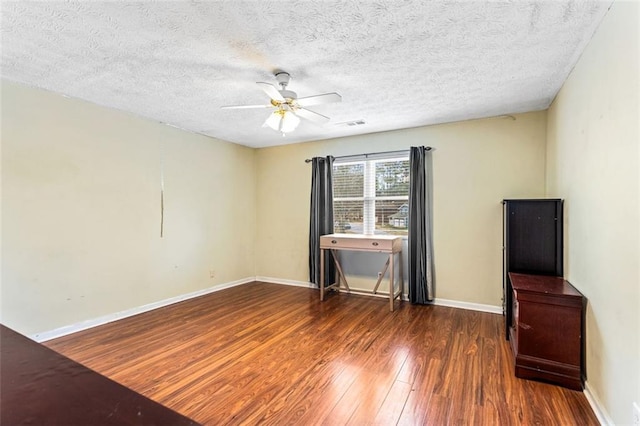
592 162
476 165
81 211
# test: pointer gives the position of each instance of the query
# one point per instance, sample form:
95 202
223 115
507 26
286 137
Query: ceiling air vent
352 123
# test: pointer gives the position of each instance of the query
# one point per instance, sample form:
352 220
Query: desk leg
380 276
339 273
336 278
321 275
391 288
401 273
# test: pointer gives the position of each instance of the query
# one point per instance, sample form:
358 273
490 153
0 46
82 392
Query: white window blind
371 194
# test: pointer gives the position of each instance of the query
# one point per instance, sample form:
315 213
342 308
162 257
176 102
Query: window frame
369 197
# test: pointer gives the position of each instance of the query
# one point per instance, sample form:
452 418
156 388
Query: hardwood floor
273 354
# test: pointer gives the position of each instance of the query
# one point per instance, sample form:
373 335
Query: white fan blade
271 90
311 116
245 106
326 98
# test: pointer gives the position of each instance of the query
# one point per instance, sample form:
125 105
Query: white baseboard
439 302
354 290
596 406
94 322
286 282
469 306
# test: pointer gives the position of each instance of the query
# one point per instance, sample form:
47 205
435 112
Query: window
371 194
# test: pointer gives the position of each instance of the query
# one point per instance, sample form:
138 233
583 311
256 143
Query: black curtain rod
428 148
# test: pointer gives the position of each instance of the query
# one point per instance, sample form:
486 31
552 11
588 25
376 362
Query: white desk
372 243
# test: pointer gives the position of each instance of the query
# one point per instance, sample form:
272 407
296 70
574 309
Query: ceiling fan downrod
283 79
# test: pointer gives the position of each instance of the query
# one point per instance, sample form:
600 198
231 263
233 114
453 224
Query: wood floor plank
271 354
376 386
391 408
419 407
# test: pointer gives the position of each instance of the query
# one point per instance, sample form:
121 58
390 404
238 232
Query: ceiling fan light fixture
289 122
273 120
283 121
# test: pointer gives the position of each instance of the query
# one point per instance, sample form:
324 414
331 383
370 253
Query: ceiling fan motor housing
288 94
283 78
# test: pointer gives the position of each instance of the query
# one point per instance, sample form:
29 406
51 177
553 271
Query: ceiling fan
288 107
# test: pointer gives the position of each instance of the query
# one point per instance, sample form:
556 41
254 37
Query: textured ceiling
397 64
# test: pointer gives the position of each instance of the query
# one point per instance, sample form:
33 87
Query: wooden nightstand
546 332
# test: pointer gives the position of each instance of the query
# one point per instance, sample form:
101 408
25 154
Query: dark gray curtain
421 271
321 222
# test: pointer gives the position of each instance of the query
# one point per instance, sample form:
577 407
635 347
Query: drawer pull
334 242
375 243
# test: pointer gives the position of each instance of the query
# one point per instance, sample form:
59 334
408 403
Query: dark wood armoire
532 243
543 312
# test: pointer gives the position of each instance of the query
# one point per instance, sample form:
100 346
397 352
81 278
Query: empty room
335 212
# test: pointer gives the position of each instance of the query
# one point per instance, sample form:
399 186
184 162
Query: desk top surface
362 236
